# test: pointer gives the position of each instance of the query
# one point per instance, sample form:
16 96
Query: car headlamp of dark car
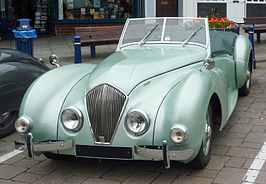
72 119
137 122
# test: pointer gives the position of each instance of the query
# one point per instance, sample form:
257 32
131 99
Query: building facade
59 17
232 9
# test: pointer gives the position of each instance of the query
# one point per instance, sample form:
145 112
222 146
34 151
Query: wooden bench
258 24
100 35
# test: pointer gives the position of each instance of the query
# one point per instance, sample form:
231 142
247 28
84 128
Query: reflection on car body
17 72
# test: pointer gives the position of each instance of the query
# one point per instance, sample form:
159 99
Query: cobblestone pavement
233 152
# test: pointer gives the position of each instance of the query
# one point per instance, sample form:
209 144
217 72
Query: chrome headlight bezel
22 125
178 133
145 122
75 113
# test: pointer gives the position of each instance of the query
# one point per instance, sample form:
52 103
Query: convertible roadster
156 98
17 72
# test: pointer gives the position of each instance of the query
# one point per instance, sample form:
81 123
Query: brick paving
232 153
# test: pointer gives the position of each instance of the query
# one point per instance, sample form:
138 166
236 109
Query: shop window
207 9
256 10
97 9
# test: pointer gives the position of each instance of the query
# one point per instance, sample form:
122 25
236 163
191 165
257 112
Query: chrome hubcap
248 78
207 137
3 117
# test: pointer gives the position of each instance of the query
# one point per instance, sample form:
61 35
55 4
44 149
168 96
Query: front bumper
39 147
157 153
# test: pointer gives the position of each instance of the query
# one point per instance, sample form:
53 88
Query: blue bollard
77 50
93 51
237 29
251 38
258 37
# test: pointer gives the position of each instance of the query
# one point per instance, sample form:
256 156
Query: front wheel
245 89
204 155
54 156
7 123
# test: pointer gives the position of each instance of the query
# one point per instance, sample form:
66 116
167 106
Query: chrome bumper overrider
164 154
39 147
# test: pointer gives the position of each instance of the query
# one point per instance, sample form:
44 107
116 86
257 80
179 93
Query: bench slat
255 20
98 35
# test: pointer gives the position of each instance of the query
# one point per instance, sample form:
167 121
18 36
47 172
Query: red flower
221 23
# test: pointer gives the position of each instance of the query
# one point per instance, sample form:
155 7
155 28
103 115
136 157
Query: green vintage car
156 98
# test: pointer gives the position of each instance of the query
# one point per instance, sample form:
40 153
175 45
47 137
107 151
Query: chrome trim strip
158 153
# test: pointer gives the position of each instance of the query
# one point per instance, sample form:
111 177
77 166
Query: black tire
245 89
204 155
7 123
53 156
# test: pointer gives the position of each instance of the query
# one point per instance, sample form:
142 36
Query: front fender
187 104
241 56
43 102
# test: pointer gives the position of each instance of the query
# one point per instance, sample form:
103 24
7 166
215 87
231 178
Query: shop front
59 17
64 15
232 9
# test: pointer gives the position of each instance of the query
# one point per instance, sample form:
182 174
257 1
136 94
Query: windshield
165 30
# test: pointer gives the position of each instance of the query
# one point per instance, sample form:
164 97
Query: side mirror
54 60
209 63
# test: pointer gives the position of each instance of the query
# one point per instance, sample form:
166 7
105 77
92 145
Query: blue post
238 29
77 50
251 38
93 51
258 37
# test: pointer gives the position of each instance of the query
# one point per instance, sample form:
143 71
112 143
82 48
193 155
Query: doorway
236 10
11 10
24 9
166 8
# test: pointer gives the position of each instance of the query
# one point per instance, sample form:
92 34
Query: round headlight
72 119
137 122
178 133
22 125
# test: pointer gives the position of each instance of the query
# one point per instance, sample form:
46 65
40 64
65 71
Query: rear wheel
204 155
7 123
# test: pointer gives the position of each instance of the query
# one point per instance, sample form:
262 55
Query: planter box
235 30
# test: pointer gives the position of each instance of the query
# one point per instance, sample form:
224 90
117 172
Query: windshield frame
162 41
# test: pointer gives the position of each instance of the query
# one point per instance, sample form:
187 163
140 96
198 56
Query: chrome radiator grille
104 104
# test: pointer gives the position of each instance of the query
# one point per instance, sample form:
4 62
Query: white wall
189 8
150 8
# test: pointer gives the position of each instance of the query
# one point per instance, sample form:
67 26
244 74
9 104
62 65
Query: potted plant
223 24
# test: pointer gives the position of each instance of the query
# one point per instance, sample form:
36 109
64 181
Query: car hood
130 66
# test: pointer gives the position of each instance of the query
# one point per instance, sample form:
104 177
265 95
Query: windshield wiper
147 35
191 36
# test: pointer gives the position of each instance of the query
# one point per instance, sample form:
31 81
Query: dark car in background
17 72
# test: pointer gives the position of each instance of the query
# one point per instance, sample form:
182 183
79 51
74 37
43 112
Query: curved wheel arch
216 108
